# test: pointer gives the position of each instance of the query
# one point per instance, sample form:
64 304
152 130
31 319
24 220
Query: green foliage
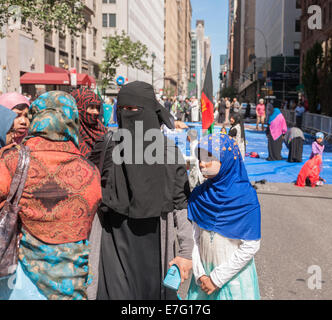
120 50
47 15
230 92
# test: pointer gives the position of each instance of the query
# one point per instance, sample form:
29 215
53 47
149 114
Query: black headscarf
135 190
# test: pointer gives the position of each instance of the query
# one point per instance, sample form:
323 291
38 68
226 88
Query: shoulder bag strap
26 163
17 176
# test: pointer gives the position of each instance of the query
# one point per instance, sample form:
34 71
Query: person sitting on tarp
309 174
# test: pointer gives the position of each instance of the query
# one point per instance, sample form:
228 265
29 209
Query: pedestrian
130 265
195 176
195 110
226 218
91 128
277 127
238 133
299 111
260 114
187 110
168 104
108 110
269 109
20 105
59 201
222 110
317 147
248 109
228 109
309 174
7 134
294 139
175 228
319 107
235 106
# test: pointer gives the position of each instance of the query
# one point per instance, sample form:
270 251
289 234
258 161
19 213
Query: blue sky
215 15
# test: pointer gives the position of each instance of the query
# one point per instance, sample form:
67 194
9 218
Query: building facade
321 33
143 21
178 44
23 51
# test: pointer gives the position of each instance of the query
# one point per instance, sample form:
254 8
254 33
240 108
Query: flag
207 101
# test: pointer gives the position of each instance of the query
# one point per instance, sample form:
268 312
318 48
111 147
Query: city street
296 234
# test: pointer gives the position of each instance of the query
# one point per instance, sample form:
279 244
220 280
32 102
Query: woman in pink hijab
19 104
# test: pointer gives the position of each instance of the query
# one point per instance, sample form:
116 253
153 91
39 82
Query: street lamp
153 55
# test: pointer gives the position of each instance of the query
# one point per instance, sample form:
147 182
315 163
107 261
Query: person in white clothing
226 219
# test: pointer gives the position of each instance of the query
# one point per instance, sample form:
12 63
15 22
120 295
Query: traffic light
251 77
220 76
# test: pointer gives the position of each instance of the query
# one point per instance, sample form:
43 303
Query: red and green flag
207 102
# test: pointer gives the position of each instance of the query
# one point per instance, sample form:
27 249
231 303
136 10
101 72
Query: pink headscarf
12 99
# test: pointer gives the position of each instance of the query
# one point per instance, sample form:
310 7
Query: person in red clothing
309 174
261 114
59 201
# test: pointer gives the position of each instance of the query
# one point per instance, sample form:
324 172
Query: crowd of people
93 228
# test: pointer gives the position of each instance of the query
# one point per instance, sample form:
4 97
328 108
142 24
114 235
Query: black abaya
295 150
274 147
130 260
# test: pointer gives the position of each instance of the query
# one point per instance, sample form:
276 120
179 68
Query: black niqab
136 190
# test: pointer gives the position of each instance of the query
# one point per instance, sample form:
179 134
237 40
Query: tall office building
143 21
177 46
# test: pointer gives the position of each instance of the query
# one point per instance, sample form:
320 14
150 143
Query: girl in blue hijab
226 218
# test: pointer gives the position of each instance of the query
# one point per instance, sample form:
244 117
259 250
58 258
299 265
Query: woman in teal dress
226 218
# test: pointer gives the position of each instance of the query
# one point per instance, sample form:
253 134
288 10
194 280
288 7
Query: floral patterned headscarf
55 117
91 128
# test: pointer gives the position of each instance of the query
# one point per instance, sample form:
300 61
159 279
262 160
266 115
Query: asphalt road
295 259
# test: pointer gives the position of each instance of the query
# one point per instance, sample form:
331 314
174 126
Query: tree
311 66
47 15
121 50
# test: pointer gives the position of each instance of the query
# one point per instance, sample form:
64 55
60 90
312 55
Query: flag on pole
207 101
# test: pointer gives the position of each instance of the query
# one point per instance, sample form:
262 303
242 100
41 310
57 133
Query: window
298 26
104 20
104 1
112 20
111 1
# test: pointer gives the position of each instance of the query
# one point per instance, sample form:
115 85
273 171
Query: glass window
104 20
112 21
112 1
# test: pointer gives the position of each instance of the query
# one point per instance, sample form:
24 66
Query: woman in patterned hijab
91 128
55 117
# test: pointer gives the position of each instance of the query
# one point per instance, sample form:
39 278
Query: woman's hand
184 265
207 285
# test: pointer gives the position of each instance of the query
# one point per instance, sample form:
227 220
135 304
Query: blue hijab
226 204
275 113
7 118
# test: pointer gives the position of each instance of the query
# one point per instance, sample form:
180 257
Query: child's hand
207 285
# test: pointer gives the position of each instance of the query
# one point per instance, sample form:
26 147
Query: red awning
82 79
92 82
54 69
45 78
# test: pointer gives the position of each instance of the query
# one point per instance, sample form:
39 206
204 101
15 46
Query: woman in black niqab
133 196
